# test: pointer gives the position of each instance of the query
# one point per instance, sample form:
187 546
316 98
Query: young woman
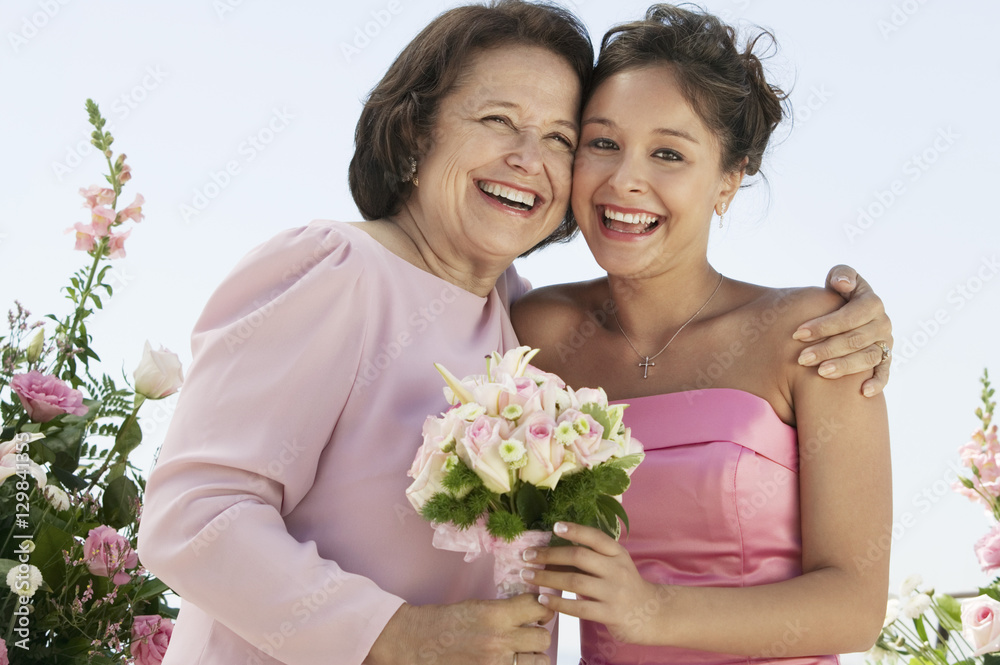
765 487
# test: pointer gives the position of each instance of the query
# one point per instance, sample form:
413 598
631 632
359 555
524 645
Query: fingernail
869 391
559 527
826 370
802 333
807 358
527 574
529 555
543 598
842 278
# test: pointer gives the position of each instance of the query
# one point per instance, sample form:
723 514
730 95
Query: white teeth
630 218
509 193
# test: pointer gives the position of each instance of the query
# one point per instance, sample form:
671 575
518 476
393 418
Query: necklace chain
646 364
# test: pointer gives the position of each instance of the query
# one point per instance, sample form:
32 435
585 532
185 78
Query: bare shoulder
541 316
548 317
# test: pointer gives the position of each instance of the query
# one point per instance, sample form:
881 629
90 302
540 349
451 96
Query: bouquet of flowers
73 588
966 631
519 451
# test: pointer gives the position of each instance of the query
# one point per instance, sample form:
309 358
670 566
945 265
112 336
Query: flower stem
81 310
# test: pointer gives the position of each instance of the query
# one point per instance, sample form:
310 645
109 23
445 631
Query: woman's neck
440 257
650 310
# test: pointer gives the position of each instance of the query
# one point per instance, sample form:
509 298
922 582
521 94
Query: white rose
158 374
980 624
56 497
428 472
24 582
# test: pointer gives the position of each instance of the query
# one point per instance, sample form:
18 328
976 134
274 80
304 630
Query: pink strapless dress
715 503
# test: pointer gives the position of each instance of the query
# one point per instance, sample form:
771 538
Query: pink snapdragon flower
97 196
150 638
45 396
101 218
116 244
86 237
109 554
133 211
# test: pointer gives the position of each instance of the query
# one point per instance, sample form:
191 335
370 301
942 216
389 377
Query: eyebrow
511 105
662 131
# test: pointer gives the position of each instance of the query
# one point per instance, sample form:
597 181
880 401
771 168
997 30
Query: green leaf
50 542
531 505
991 659
921 630
626 462
610 480
610 505
129 436
97 300
5 566
69 481
152 587
600 414
120 500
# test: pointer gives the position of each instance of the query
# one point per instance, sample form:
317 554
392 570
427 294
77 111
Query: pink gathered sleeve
276 353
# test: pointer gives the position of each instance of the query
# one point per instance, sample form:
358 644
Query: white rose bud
35 346
56 497
24 579
158 374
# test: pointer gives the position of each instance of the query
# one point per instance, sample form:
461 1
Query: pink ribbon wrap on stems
507 557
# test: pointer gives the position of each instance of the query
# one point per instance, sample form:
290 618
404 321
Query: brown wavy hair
724 83
400 112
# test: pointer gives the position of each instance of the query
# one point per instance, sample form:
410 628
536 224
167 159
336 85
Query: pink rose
479 448
428 472
150 638
547 459
4 660
108 554
979 624
44 396
988 550
590 448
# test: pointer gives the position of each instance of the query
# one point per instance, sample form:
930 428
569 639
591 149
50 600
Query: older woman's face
495 174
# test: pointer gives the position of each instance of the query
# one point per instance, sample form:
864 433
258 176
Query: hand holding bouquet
519 451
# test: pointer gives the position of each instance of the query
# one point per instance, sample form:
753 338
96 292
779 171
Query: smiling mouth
628 222
514 199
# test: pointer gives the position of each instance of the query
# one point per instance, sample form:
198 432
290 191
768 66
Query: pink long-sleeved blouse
276 509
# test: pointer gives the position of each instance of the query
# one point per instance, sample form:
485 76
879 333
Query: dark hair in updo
401 110
724 84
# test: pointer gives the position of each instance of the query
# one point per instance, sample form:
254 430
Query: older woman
276 509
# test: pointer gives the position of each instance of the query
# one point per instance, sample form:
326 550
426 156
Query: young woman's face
647 175
495 179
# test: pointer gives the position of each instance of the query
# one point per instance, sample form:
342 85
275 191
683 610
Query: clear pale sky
238 119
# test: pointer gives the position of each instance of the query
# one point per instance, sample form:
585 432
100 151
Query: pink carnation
44 396
988 550
109 554
150 638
